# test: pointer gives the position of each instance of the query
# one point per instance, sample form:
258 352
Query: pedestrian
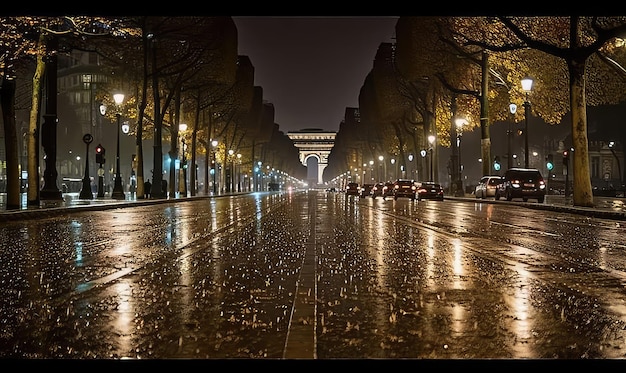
147 189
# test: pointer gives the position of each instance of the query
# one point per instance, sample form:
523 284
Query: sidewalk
604 207
72 201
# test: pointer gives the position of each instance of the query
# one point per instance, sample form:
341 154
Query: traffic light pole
100 181
550 167
100 160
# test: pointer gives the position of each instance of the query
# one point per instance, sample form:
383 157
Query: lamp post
259 178
460 122
431 141
619 167
364 171
527 86
214 144
125 130
118 190
100 149
182 179
85 192
509 137
238 172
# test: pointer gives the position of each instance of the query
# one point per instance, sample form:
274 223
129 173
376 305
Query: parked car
524 183
404 188
429 190
353 189
365 190
487 186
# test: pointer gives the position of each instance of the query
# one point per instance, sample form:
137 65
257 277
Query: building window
595 167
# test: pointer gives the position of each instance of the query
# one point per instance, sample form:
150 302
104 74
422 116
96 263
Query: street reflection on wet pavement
313 275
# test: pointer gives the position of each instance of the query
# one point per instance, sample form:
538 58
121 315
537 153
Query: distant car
487 186
353 189
365 190
377 190
524 183
388 190
404 188
429 190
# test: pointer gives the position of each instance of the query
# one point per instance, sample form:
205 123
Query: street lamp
85 192
411 163
431 141
460 122
214 144
509 134
238 172
364 171
527 86
118 190
182 179
372 170
619 167
259 179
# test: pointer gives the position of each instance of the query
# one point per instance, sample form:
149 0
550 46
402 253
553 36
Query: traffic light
549 162
99 154
496 163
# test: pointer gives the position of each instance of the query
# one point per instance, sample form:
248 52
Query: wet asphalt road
313 275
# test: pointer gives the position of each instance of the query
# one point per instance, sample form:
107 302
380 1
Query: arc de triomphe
314 142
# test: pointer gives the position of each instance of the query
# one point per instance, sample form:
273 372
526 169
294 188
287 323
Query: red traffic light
99 154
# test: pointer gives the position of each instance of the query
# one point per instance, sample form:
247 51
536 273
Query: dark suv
524 183
353 189
404 188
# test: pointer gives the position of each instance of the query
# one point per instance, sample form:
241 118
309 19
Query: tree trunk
485 137
583 195
157 172
33 128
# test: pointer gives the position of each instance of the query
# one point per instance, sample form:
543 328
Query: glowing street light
182 178
527 86
509 137
459 122
431 141
118 190
214 145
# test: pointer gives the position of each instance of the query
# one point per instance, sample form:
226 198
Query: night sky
312 68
